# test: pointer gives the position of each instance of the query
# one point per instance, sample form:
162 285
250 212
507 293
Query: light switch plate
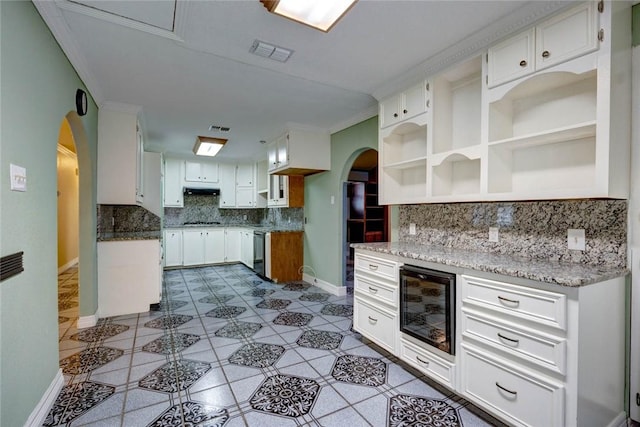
494 234
18 178
576 239
412 228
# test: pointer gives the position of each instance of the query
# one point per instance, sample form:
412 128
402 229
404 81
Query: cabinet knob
428 103
405 111
523 63
546 54
395 114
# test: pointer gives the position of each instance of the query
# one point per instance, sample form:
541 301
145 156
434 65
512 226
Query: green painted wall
38 91
324 228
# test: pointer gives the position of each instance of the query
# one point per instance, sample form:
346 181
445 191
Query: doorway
364 219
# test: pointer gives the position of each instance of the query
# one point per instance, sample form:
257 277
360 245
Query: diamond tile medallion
322 340
258 355
344 310
216 299
169 344
172 305
226 311
285 395
238 330
209 288
407 410
168 322
296 286
291 318
259 292
99 332
360 370
274 304
192 414
75 400
165 378
89 359
314 297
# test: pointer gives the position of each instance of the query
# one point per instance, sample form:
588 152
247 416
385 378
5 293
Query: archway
364 220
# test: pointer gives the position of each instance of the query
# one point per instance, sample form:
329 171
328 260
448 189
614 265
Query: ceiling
187 63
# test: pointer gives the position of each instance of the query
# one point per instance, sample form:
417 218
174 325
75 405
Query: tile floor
228 348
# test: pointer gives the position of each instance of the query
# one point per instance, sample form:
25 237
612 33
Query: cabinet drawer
376 290
427 362
376 266
525 399
543 350
547 308
375 323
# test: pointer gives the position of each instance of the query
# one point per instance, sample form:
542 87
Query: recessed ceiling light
208 146
319 14
267 50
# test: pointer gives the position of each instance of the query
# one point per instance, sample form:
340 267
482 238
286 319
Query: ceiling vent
270 51
216 128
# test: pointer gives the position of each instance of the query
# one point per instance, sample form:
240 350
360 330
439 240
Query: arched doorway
364 219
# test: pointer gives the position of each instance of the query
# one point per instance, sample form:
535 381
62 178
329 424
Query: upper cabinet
299 152
200 172
543 115
120 155
561 38
173 195
404 105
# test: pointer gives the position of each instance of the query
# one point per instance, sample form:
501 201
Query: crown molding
472 45
52 16
355 119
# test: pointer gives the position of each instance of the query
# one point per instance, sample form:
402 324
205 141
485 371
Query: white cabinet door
227 185
511 59
278 191
567 35
139 165
414 101
272 155
152 182
390 111
193 247
173 196
214 246
244 175
232 244
283 150
172 248
209 172
192 171
246 247
245 197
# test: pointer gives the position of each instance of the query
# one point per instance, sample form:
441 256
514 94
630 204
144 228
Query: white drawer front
544 350
376 266
379 291
432 365
548 308
525 399
375 323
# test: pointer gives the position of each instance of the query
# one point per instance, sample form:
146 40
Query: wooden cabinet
286 191
405 105
172 248
284 256
366 220
129 276
375 308
120 156
299 152
173 192
556 40
200 172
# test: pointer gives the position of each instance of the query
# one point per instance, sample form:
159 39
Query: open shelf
405 185
457 107
551 136
407 164
456 175
405 142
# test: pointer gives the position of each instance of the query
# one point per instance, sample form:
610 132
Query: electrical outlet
412 228
494 234
576 239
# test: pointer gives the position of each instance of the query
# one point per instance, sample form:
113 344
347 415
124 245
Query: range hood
202 191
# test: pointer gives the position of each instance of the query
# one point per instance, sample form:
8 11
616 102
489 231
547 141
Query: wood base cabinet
284 256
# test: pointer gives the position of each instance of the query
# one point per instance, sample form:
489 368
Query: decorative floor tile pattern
360 370
288 360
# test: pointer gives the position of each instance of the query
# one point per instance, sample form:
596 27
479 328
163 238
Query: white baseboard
619 421
68 265
40 412
87 321
325 286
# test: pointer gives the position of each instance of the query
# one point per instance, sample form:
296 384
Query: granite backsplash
126 219
533 229
198 208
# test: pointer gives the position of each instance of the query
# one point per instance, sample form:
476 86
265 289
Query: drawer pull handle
515 341
373 267
523 63
373 290
546 54
514 393
507 300
371 319
424 362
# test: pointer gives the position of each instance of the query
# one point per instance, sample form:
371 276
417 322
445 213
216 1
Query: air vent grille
268 50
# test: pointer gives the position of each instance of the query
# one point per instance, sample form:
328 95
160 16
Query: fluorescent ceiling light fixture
319 14
207 146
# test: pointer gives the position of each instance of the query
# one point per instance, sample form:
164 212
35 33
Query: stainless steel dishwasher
258 252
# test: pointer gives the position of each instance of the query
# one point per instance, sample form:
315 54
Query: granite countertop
129 235
265 228
546 271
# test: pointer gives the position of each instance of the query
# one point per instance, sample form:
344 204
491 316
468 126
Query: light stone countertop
265 228
546 271
129 235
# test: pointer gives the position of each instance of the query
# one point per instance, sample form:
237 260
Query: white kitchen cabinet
214 246
153 183
561 38
129 276
201 172
245 186
245 197
120 158
193 247
173 186
286 191
232 244
172 248
405 105
300 152
246 247
245 175
227 185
